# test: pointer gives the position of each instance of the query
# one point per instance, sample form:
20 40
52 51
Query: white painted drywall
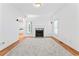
8 25
69 25
0 24
68 22
40 22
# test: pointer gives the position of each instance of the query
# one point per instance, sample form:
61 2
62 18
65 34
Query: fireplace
39 32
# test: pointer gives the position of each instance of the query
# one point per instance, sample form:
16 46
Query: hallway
38 47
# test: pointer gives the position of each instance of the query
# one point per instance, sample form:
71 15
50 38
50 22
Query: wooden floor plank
68 48
21 37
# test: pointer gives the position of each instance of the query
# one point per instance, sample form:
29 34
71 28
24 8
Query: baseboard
10 47
68 48
64 45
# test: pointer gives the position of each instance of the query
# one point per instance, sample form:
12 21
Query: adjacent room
39 29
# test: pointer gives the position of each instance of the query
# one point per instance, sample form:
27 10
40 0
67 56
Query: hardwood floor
68 48
22 37
7 49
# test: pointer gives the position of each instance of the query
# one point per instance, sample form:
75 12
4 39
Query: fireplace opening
39 33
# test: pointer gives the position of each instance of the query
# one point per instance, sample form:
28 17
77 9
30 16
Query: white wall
68 22
69 25
41 22
0 23
8 25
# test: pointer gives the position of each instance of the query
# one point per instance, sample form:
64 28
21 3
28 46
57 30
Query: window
29 27
56 26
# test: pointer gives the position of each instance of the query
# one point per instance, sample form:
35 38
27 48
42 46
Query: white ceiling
45 9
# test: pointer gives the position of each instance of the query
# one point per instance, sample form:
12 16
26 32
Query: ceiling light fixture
32 16
37 5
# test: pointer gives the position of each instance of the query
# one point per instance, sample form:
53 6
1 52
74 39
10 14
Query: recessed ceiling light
37 4
32 16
